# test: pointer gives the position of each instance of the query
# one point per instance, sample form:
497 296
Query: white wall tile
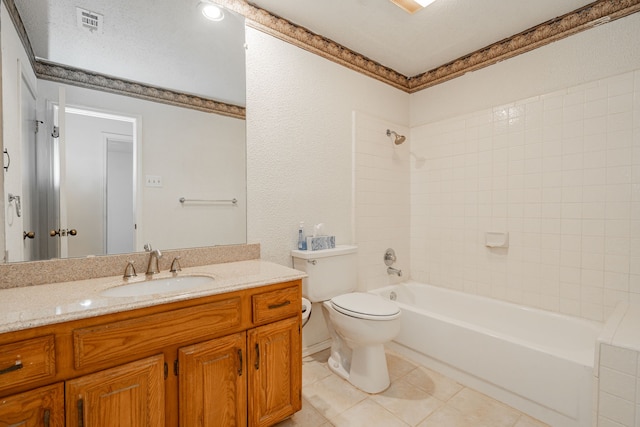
561 173
618 384
619 359
616 409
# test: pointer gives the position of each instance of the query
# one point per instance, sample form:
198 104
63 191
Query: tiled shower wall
560 173
381 198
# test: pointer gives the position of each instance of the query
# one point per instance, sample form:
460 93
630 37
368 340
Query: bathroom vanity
228 354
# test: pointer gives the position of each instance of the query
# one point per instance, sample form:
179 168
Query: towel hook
13 197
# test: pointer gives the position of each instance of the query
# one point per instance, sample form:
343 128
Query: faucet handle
147 247
129 270
175 265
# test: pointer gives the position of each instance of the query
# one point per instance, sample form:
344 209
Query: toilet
359 323
306 311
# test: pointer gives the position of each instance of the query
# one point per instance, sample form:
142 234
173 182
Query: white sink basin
157 286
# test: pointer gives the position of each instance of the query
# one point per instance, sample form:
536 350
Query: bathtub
536 361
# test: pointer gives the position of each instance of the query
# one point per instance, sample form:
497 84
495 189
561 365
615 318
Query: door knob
28 234
63 232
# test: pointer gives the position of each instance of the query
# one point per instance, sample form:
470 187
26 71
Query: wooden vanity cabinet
275 372
127 395
213 384
42 407
227 360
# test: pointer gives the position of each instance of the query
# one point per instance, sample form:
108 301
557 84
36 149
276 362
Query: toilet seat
365 306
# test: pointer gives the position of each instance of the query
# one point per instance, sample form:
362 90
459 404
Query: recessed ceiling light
211 11
412 6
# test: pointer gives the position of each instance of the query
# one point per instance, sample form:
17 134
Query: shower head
399 139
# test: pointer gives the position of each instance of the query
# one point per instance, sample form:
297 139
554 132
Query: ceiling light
412 6
211 11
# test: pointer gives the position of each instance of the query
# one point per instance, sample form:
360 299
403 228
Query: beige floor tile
308 416
433 383
407 402
398 366
527 421
366 414
332 395
483 409
446 416
314 371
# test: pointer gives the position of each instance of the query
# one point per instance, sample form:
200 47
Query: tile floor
417 397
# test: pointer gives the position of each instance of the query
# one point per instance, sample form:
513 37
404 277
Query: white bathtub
537 361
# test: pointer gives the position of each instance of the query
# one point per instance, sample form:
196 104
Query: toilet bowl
359 323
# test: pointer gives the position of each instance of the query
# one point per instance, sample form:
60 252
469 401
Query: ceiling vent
91 21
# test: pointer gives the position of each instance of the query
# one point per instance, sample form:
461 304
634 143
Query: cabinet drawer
128 338
27 361
275 305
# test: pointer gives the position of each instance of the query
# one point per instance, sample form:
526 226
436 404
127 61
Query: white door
93 200
28 198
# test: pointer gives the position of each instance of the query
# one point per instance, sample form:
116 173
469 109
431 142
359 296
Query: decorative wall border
77 77
90 80
303 38
596 13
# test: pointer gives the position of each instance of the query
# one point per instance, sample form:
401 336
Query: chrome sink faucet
154 255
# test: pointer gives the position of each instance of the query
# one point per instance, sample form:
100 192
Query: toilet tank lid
338 250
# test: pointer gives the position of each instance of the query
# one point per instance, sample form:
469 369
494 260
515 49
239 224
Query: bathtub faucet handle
389 257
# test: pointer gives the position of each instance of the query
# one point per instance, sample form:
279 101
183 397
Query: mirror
126 127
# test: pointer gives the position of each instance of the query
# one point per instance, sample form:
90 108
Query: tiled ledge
21 274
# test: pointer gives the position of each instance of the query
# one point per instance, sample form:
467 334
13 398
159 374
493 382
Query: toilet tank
331 271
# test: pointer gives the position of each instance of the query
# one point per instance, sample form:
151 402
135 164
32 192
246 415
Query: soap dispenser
302 241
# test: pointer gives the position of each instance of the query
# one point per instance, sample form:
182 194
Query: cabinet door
275 372
213 385
42 407
129 395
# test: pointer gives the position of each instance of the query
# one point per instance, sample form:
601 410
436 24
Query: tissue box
318 243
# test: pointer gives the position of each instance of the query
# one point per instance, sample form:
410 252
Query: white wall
299 141
198 155
300 164
545 146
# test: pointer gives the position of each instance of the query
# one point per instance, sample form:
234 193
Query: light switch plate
153 181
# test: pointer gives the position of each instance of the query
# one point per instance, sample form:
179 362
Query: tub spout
395 271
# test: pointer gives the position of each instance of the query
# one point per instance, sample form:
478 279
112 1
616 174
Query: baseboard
312 349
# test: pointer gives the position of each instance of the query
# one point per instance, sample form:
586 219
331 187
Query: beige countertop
31 306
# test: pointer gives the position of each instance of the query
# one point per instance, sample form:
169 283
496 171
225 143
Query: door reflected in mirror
97 191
